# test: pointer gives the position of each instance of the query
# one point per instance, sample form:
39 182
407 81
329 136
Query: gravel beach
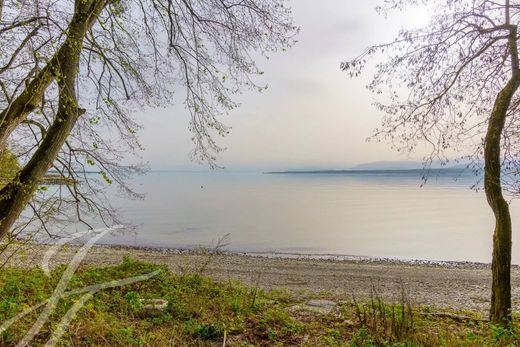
450 285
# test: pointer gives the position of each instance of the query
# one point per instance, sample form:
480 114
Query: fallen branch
454 317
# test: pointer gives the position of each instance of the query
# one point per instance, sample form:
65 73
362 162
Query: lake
378 214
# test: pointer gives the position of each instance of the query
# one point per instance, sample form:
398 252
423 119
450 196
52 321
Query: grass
202 312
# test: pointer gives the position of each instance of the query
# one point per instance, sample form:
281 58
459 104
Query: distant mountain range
396 166
406 165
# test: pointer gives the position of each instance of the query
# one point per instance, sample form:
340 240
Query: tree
453 85
73 73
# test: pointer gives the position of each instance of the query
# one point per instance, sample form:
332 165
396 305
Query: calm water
383 215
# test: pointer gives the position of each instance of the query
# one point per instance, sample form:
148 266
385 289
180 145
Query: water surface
367 214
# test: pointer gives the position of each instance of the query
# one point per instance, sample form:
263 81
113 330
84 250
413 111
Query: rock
295 308
321 305
316 305
154 305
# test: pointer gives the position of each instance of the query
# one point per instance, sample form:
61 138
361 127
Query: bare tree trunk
500 312
16 194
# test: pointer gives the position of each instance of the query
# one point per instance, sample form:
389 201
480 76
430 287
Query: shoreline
460 264
452 285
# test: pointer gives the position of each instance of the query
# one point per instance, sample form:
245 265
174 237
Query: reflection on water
384 214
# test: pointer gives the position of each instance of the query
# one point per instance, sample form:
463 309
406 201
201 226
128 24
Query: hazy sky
312 115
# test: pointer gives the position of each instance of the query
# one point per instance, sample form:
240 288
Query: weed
386 323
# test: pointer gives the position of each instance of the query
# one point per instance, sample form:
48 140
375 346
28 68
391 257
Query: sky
312 116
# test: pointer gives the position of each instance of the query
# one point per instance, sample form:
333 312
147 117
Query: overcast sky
312 115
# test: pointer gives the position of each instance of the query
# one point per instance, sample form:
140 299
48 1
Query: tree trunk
32 95
500 312
16 194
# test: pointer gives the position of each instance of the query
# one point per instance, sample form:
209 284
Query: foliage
9 166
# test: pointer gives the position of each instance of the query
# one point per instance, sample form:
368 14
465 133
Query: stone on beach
317 305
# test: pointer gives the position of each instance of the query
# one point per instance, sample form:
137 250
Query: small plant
334 338
501 334
387 323
363 338
209 331
133 301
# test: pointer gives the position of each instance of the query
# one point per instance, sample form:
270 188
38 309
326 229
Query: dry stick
255 289
225 338
454 317
221 243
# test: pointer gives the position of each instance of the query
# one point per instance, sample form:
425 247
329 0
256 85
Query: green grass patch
203 312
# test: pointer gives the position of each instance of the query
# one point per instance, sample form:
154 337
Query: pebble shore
441 284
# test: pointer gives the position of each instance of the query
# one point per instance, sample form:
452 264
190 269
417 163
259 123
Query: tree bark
500 312
15 195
